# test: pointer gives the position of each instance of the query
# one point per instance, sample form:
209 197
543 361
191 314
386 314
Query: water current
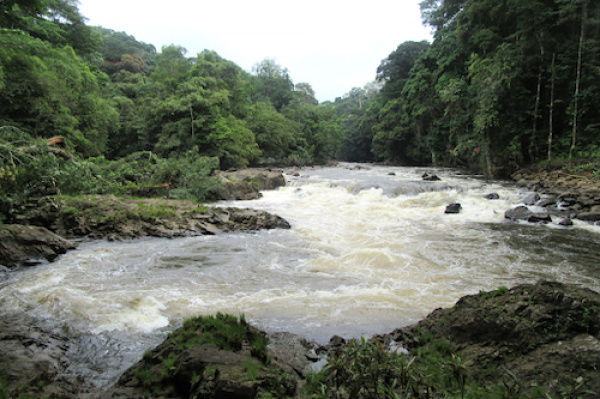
370 250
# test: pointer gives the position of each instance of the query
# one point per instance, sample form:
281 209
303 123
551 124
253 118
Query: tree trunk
578 78
536 108
551 121
192 117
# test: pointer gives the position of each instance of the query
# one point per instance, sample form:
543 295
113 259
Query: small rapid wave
370 250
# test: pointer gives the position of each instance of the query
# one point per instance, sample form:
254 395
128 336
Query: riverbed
370 250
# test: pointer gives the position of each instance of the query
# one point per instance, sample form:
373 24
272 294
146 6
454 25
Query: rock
453 208
518 213
28 245
391 174
531 199
547 202
228 367
546 335
565 222
293 353
428 177
34 361
492 196
523 213
123 218
539 217
589 216
246 184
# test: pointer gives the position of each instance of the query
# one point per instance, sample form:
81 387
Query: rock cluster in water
564 195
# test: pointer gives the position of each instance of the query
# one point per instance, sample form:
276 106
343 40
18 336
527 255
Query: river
370 250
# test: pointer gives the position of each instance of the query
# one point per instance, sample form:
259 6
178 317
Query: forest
86 109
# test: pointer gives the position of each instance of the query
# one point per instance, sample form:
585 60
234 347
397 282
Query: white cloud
332 44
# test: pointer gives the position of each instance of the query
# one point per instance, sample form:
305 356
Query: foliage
368 369
500 80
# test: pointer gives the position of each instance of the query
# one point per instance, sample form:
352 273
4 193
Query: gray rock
428 177
589 216
518 213
453 208
492 196
565 222
531 199
523 213
246 184
28 245
547 202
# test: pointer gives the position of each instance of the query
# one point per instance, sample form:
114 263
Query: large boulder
208 357
35 361
28 245
545 335
246 184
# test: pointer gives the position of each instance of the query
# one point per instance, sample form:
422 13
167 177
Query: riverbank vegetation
502 85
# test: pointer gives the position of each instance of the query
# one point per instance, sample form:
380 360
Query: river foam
368 252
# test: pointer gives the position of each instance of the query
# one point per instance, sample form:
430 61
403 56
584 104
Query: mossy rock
218 356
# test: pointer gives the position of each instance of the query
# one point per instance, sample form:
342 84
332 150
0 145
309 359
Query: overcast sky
334 45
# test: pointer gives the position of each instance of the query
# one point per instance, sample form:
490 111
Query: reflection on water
368 252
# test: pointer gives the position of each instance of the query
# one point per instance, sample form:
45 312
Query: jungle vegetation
504 84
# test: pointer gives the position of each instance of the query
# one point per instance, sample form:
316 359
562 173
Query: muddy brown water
368 252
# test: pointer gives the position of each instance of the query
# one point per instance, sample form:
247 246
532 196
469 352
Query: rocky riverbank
562 193
537 340
47 220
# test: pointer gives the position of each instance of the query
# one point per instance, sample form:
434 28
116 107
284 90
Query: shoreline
291 352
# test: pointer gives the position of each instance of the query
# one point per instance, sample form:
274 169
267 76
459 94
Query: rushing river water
368 252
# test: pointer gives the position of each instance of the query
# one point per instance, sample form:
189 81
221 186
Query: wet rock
546 202
293 353
28 245
540 217
531 199
589 216
523 213
565 222
225 368
492 196
546 334
121 218
518 213
453 208
34 361
246 184
428 177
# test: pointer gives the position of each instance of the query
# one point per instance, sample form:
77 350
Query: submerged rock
492 196
428 177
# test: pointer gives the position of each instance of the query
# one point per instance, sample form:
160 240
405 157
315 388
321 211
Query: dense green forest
504 83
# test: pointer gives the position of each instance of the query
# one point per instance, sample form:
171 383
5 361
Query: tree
272 83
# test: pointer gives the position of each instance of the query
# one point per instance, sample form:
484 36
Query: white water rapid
368 252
